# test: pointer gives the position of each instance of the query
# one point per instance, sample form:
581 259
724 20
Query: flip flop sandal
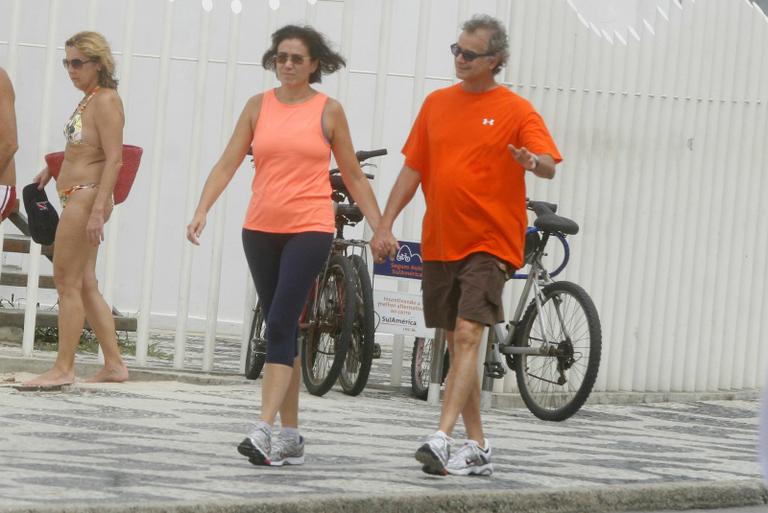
40 388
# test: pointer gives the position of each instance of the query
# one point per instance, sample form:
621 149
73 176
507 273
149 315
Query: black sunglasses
282 58
75 63
468 55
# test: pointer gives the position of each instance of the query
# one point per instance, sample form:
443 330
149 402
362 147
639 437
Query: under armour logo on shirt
487 121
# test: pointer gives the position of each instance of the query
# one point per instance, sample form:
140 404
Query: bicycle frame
537 278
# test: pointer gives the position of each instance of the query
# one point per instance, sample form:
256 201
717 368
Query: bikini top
73 129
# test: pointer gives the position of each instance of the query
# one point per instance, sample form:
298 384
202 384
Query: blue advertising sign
406 264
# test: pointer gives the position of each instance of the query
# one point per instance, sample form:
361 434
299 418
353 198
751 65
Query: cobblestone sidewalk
169 442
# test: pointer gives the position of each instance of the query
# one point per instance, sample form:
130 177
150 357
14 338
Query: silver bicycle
554 343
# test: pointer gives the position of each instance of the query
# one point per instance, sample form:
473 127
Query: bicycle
554 347
361 350
339 309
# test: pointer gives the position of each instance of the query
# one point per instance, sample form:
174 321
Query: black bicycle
360 352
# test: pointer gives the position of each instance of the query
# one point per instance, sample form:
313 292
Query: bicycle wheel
257 345
421 367
357 364
556 384
331 322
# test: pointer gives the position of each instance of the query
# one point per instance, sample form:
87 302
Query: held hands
383 244
524 157
195 228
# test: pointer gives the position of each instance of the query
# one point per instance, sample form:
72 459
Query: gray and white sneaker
287 450
471 459
258 444
435 453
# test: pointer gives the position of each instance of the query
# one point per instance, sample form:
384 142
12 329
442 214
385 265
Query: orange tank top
291 191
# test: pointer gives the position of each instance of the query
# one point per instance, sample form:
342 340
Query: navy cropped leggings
283 267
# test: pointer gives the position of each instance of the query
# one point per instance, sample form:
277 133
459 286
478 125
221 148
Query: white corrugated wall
662 126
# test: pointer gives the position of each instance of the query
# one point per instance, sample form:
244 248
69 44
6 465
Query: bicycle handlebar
362 155
542 207
366 154
349 214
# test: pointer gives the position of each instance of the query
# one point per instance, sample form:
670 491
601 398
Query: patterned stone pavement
226 357
169 442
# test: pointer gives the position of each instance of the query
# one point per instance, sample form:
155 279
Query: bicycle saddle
548 221
350 213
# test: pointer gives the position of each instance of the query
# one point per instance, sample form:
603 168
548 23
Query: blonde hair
95 47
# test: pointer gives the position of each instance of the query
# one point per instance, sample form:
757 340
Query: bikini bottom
64 195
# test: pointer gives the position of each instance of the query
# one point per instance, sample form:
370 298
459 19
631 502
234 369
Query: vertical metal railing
220 208
158 150
113 227
33 269
193 190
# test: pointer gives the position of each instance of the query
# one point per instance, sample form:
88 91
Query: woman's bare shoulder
332 105
254 102
108 98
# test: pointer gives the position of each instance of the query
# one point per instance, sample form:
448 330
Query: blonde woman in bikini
92 160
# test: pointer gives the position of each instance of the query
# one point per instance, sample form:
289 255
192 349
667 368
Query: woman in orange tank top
289 224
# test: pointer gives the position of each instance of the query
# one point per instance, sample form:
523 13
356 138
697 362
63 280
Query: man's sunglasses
75 63
282 58
468 55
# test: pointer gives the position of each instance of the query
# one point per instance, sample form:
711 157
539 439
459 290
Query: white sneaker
471 459
287 450
435 453
258 444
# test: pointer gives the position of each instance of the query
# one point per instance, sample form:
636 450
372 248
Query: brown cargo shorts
469 288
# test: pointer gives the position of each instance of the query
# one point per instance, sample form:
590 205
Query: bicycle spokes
564 329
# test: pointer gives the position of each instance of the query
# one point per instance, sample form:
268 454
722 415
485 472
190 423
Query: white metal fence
663 132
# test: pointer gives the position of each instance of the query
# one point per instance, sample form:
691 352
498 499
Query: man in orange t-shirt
469 148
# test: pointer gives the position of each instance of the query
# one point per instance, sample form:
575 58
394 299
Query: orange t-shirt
291 189
474 188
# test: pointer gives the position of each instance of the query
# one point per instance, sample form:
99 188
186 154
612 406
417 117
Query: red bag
125 178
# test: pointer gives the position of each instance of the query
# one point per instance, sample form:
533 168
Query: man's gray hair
498 43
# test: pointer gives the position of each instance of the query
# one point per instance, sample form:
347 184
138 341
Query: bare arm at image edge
8 136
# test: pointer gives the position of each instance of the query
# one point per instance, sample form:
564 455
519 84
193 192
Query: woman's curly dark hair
318 46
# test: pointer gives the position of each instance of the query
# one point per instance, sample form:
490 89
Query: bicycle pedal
376 350
494 370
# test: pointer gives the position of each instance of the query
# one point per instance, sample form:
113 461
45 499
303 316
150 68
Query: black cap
43 218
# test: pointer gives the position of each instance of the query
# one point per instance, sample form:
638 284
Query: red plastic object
131 161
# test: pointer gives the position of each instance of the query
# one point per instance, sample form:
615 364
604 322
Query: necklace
84 102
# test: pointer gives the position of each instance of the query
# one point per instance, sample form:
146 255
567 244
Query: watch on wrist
536 161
